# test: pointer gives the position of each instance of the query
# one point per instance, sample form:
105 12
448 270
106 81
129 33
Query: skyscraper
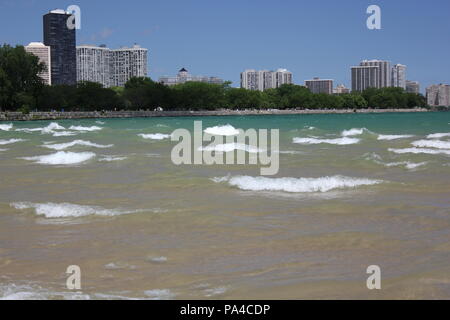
93 64
412 87
265 79
43 53
438 95
384 70
399 76
364 77
62 43
127 63
317 85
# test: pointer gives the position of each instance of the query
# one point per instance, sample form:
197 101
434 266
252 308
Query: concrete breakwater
18 116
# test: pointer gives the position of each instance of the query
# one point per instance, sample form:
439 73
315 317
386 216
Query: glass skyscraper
62 42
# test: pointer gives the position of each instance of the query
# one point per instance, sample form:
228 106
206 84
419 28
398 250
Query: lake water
352 191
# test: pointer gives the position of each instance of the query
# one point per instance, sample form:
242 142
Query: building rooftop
58 11
36 44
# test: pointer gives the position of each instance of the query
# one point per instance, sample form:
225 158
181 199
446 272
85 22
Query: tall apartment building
127 63
94 64
438 95
184 76
364 77
384 69
399 76
62 43
412 87
317 85
43 53
265 79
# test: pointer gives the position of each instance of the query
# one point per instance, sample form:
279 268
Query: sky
320 38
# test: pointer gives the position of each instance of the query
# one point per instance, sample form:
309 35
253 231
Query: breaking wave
62 158
229 147
438 135
337 141
432 144
63 146
50 129
10 141
295 185
62 210
394 136
227 130
6 127
155 136
112 158
354 132
420 150
81 128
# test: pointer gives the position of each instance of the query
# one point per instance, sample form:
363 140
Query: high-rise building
438 95
412 87
317 85
364 77
399 76
62 42
384 70
43 53
127 63
265 79
94 64
341 89
184 76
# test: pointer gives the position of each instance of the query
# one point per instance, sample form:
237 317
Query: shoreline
33 116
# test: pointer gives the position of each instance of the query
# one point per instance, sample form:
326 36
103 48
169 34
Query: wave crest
296 185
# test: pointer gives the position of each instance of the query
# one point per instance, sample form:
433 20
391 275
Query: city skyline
222 51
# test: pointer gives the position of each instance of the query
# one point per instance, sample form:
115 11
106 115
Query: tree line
21 89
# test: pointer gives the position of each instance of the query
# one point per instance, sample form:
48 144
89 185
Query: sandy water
140 227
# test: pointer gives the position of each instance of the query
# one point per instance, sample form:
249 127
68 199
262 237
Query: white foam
64 134
10 141
215 291
1 150
227 130
62 210
438 135
432 144
112 158
407 164
63 146
81 128
229 147
157 259
99 122
62 158
6 127
420 150
297 185
158 294
394 136
34 292
155 136
338 141
50 129
353 132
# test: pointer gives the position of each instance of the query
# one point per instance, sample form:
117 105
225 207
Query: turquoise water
141 227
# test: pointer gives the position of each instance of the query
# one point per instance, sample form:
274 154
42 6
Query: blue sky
321 38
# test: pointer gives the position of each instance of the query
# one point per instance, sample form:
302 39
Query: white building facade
126 63
317 85
264 79
399 76
43 53
438 95
94 64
